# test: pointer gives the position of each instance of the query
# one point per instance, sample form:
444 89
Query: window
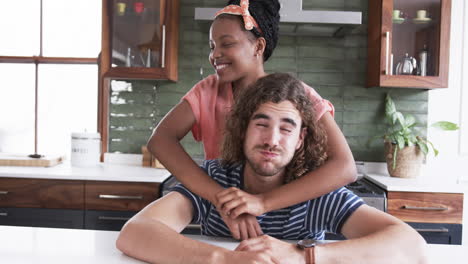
51 47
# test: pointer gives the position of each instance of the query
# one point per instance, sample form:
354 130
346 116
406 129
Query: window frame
40 59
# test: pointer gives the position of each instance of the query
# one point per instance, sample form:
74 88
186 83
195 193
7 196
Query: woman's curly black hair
276 88
266 13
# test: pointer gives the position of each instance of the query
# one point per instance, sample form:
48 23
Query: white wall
451 104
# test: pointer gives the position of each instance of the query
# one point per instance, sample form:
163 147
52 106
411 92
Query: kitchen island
25 245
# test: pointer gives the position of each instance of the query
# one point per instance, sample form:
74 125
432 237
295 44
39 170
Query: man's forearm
157 243
401 246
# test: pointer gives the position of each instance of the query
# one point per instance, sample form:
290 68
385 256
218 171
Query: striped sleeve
330 212
199 204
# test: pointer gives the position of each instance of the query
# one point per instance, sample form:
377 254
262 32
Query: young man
271 138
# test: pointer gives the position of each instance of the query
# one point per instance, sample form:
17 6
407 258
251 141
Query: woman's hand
235 202
280 251
243 227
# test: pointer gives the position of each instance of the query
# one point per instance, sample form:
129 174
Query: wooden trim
172 41
444 56
47 60
374 38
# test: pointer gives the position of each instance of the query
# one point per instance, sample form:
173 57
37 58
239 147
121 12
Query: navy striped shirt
310 219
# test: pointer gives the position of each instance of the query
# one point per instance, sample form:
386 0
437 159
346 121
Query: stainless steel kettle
407 66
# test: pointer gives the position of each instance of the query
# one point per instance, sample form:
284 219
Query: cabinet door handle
3 214
432 230
127 197
3 192
387 51
163 47
113 218
425 208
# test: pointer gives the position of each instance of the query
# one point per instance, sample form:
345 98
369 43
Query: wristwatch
308 245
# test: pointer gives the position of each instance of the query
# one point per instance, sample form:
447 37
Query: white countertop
419 184
102 172
21 245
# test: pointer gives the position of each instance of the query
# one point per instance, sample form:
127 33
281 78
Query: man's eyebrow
290 121
264 116
260 116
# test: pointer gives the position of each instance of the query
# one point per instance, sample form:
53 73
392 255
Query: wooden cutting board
24 160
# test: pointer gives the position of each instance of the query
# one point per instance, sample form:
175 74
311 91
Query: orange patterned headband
242 10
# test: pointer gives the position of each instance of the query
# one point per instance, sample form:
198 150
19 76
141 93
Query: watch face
306 243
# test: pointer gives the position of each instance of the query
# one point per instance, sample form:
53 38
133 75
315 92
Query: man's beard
264 171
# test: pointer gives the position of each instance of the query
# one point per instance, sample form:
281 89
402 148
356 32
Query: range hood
298 22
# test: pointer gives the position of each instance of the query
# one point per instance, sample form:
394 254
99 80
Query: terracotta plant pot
408 161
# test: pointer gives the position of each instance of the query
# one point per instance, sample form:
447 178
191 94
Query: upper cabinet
140 39
408 43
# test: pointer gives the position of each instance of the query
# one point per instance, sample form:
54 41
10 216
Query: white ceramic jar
86 149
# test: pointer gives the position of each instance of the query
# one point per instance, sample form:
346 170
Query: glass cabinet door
408 43
140 39
138 33
415 38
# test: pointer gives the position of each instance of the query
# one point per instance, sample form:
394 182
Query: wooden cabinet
436 216
101 205
119 196
41 193
400 30
426 207
139 39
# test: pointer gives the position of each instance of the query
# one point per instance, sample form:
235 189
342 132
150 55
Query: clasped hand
269 250
238 210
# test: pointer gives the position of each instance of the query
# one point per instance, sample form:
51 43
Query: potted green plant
405 148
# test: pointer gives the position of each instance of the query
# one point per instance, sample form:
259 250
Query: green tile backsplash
335 67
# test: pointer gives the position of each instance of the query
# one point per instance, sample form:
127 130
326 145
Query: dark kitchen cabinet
399 29
106 220
436 233
59 218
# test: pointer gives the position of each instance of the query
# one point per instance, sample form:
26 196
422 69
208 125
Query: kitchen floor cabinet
408 43
107 220
436 216
101 205
58 218
449 234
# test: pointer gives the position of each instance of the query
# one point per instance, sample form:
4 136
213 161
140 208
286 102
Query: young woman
242 37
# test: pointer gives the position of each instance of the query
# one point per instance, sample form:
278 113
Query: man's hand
280 251
235 202
243 227
254 257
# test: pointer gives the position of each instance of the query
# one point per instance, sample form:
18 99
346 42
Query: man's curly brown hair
275 88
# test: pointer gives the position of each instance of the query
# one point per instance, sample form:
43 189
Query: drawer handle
3 192
425 208
432 230
128 197
3 214
113 218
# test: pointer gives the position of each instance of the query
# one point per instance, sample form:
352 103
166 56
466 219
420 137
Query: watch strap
310 255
